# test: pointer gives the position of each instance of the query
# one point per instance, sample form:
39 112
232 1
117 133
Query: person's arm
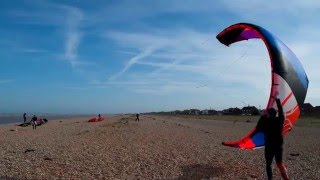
280 109
261 124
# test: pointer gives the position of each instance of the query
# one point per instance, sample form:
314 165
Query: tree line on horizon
306 110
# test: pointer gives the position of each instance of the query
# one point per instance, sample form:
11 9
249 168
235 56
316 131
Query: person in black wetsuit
272 127
137 117
33 120
24 117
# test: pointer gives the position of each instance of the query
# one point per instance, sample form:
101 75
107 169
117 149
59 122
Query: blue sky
140 56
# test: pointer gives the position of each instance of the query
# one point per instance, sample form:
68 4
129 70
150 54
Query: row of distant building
307 108
248 110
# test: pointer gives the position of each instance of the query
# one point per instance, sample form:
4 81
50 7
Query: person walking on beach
24 117
272 127
33 120
137 117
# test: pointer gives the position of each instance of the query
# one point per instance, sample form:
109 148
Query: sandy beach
156 147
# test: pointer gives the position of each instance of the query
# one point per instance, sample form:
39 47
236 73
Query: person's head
264 112
272 112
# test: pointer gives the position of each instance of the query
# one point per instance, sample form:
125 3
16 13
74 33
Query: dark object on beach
294 154
137 117
24 124
45 120
248 121
60 121
47 159
29 150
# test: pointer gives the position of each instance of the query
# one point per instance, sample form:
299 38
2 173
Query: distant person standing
99 116
137 117
33 120
24 117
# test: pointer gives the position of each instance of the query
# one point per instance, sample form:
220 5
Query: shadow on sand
200 171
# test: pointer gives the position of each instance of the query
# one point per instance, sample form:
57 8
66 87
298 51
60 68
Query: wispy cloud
73 35
133 61
182 63
66 17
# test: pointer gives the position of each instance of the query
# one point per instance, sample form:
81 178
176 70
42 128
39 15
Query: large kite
288 78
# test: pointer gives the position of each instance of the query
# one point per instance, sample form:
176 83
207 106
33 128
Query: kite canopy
96 119
288 78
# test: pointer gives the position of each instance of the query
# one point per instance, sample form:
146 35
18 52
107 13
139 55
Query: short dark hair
272 112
